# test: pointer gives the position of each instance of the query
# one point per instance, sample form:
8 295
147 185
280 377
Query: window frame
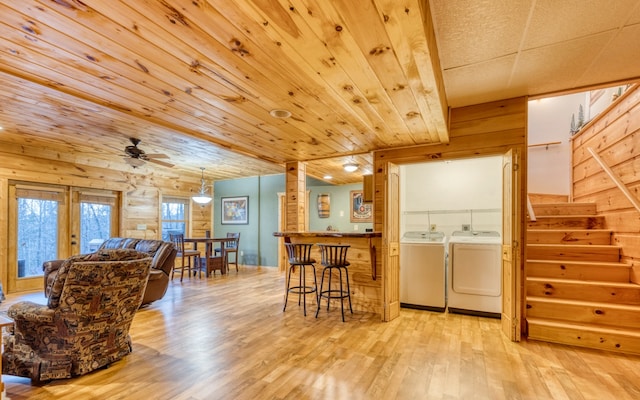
186 202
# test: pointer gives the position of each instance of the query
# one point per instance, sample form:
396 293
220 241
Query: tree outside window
174 216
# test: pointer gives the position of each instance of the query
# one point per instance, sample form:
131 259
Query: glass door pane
95 218
95 226
38 218
37 235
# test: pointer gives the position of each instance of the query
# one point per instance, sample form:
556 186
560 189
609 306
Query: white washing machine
423 269
475 273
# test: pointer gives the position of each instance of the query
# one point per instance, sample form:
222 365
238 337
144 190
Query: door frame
68 227
512 271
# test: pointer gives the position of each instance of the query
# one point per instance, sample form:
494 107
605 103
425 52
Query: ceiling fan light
134 162
350 167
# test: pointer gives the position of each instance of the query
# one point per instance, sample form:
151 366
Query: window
174 216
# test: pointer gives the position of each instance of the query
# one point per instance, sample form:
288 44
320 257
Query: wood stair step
564 209
567 221
583 335
584 312
546 198
604 253
573 289
566 236
579 270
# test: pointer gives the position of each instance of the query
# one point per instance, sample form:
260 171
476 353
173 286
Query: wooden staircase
577 291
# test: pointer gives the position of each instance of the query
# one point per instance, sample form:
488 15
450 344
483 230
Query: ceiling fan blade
163 163
156 155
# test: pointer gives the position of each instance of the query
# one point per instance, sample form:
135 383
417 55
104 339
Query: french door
49 222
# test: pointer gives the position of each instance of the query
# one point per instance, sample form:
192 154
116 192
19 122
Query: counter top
365 241
328 234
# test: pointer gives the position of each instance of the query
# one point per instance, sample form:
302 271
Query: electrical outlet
241 253
466 227
433 227
355 227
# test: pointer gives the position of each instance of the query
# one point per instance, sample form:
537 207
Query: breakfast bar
364 256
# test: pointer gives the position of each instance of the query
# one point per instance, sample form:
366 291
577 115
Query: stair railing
615 179
532 215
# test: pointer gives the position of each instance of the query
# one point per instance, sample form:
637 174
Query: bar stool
334 257
300 255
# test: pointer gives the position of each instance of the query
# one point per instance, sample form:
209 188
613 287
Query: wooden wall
614 136
141 191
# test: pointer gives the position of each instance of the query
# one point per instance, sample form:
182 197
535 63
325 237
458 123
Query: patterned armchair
85 324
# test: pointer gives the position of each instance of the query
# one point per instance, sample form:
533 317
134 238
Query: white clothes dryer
475 273
423 270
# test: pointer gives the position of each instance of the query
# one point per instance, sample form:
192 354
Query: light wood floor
227 338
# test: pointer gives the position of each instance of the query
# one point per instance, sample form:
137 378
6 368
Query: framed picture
360 211
235 210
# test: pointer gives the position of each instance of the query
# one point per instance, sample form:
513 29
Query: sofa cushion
148 246
119 243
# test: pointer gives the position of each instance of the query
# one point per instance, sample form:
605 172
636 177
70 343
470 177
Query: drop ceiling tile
620 60
477 83
468 32
545 69
556 21
634 17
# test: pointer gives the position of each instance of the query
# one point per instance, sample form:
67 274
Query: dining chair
184 254
231 247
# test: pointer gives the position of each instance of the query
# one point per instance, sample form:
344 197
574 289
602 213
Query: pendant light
202 197
350 166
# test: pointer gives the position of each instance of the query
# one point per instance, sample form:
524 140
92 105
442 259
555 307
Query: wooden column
296 199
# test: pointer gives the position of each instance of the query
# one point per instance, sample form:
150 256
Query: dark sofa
163 259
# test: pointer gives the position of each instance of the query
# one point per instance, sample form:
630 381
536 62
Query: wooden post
296 198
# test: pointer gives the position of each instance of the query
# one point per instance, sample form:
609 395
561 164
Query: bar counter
364 256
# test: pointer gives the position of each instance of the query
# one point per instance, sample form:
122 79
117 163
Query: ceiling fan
136 157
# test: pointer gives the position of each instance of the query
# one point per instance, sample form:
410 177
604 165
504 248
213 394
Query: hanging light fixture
350 166
202 197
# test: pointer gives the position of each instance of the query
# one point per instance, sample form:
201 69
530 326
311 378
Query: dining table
225 242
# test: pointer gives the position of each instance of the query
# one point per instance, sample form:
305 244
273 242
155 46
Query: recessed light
328 177
280 113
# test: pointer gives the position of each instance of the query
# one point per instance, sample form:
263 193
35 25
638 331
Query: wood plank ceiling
196 79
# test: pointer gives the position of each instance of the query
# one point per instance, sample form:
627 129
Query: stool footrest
334 294
302 289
